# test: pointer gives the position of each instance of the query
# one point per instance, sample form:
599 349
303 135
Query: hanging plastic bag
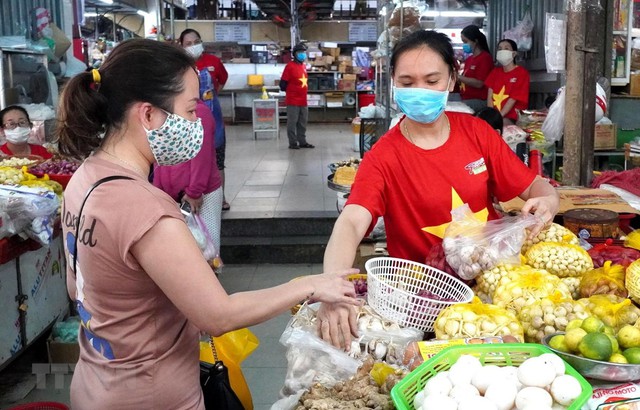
553 125
522 32
232 348
472 246
555 39
203 239
609 279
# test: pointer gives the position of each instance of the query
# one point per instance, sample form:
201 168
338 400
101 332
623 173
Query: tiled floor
264 178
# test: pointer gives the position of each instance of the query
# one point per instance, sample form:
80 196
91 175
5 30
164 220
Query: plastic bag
549 315
522 32
553 125
489 280
527 287
309 358
66 331
614 311
618 255
607 280
28 209
555 42
632 281
554 257
476 319
203 239
232 348
513 135
552 233
472 246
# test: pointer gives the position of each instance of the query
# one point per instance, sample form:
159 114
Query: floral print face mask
178 140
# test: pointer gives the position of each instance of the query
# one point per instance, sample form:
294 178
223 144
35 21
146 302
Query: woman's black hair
137 70
492 116
188 31
473 33
513 44
438 42
13 108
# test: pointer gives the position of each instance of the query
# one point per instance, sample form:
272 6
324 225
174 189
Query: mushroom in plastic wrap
549 315
476 319
561 259
527 287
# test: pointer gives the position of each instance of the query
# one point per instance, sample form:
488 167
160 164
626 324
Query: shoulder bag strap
84 201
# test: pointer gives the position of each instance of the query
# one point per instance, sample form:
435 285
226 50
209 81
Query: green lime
573 338
574 324
632 355
629 336
557 342
618 358
609 330
614 343
592 324
596 346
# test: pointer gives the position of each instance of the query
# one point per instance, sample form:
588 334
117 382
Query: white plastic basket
393 285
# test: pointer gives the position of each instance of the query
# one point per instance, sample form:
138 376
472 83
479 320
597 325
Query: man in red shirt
294 82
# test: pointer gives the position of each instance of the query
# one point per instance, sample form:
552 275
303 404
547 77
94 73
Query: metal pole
574 97
173 21
294 23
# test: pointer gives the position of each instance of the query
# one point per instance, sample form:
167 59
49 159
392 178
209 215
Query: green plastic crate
507 354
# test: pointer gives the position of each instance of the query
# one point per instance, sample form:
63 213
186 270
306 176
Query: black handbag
216 388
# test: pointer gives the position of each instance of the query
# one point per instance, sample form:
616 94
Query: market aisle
264 178
264 370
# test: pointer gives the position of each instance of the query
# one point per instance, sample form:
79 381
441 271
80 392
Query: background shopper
16 126
213 76
294 83
430 163
142 288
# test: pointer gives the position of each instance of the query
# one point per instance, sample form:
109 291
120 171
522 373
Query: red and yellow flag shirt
477 67
416 189
514 84
295 74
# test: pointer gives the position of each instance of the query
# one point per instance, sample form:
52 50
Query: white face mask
195 50
504 57
18 135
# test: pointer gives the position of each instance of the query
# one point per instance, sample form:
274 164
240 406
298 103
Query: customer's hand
196 204
337 324
545 208
334 287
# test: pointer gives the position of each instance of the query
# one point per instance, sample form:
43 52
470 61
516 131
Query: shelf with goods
622 42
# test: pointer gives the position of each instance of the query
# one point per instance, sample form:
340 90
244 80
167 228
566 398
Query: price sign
265 116
363 31
233 32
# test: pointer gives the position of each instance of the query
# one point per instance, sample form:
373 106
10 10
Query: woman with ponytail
477 67
140 284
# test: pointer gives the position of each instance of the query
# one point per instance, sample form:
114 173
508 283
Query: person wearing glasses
16 127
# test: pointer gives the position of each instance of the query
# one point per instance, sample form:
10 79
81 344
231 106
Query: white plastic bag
553 125
555 39
522 32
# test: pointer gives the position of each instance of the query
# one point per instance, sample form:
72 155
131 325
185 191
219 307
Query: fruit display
618 255
554 233
344 176
9 175
614 311
561 259
527 287
476 319
608 279
19 161
549 315
55 167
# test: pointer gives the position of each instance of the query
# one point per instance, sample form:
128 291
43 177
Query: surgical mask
177 140
467 48
504 57
301 56
18 135
421 104
195 50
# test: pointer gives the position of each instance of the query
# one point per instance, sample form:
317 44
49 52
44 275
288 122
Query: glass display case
24 78
622 42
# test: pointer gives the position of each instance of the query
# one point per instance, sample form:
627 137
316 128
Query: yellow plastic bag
527 287
632 281
232 348
614 311
549 315
476 319
553 233
633 240
609 279
561 259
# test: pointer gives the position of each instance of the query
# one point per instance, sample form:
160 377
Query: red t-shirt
416 189
215 67
36 149
514 84
477 67
295 74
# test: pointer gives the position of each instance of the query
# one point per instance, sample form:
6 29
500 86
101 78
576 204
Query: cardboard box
60 352
634 84
369 250
578 197
349 77
331 51
346 85
62 43
605 137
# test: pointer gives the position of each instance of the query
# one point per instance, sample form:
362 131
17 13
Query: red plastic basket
43 405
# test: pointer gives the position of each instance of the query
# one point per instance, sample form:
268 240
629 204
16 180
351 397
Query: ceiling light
107 1
142 13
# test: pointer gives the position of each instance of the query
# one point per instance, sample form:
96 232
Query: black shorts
220 155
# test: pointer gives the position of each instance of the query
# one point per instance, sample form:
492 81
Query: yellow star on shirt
456 201
303 81
463 87
500 98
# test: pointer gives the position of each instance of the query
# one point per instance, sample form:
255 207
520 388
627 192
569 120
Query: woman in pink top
140 284
198 181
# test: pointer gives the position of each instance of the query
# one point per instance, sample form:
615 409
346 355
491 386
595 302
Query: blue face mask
421 104
467 48
301 56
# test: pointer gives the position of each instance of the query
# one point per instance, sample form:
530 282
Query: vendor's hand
545 208
196 204
337 323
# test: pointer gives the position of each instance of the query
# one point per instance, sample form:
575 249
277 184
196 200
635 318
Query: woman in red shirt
16 125
508 85
477 67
